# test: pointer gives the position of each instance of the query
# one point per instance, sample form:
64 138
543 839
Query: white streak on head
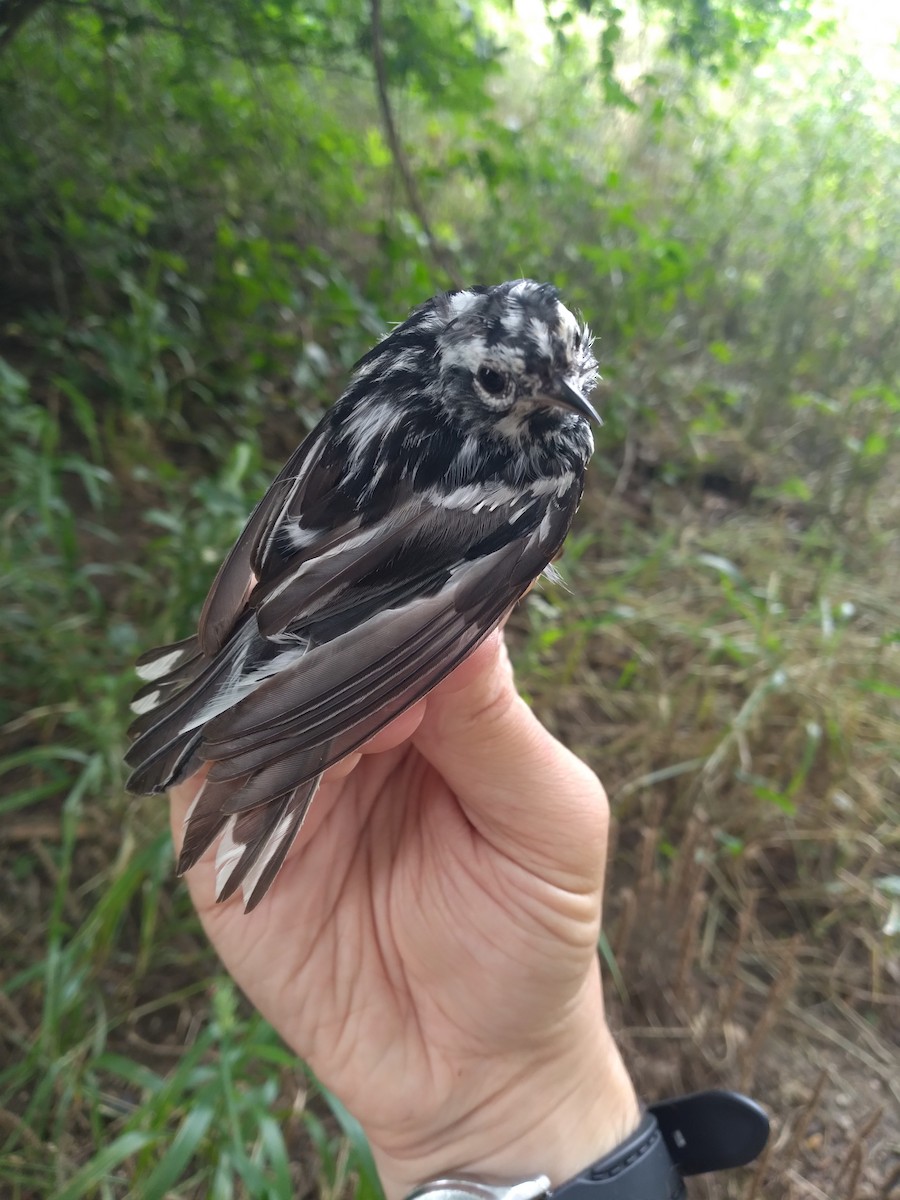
461 303
568 323
513 425
468 352
508 359
472 352
512 320
540 335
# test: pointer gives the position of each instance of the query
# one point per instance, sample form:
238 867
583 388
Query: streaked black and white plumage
397 536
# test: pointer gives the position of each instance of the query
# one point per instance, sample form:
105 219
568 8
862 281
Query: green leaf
170 1168
370 1185
99 1169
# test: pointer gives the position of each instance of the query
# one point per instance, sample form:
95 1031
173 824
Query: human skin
429 947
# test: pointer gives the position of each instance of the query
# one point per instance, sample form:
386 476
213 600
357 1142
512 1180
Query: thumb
524 792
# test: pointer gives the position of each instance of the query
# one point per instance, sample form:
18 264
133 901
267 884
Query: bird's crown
490 353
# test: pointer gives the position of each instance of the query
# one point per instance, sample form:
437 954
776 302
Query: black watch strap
640 1168
706 1131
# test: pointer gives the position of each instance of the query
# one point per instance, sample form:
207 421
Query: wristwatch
690 1135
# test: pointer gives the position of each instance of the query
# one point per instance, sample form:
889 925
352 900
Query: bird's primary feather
396 537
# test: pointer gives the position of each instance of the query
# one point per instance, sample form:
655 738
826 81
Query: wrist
550 1114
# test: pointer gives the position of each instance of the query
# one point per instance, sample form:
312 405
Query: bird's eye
492 381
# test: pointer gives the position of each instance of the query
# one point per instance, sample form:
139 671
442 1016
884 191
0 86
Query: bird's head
507 367
513 355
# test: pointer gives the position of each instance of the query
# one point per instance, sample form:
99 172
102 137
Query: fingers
521 788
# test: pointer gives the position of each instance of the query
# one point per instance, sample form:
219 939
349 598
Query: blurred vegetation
207 212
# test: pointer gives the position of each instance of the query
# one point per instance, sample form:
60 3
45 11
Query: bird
399 534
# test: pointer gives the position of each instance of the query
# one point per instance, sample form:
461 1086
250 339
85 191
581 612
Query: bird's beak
570 397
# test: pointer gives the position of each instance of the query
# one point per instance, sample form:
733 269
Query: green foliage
204 219
717 36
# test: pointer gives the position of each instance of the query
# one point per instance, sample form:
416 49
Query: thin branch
440 255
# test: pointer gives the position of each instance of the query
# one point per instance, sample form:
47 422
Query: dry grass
733 673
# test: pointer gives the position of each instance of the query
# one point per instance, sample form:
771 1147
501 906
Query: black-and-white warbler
397 536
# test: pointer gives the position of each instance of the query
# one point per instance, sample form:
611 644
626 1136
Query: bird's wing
307 477
386 619
329 645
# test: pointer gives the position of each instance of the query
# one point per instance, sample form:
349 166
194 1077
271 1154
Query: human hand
430 945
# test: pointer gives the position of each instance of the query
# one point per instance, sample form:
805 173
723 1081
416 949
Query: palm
408 933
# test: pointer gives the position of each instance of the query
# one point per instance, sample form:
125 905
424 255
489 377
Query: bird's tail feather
255 831
255 842
179 683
